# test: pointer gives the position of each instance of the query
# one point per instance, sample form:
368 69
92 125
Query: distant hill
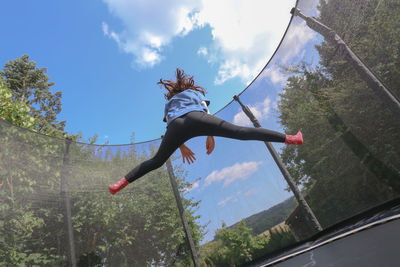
266 219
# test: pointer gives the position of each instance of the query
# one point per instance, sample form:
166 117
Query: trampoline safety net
55 208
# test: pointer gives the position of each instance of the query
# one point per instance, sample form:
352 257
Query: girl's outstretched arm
187 154
210 142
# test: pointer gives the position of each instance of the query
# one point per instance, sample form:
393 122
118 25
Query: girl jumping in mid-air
187 116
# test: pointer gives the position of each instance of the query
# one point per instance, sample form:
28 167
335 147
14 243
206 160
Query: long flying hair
183 82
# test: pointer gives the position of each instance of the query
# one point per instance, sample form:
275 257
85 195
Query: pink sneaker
294 139
114 188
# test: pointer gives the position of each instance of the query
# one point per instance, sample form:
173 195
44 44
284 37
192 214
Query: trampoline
370 241
334 200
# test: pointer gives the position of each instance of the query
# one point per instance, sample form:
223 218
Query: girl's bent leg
145 167
171 141
163 153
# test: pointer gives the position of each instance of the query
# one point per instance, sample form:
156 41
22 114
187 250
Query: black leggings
197 123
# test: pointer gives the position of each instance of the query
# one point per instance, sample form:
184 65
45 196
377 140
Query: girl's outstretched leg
146 166
171 141
114 188
294 139
200 123
151 164
205 124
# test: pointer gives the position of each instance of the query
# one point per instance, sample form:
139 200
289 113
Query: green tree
28 190
30 84
372 29
138 227
14 111
351 161
25 174
277 239
239 243
19 222
237 246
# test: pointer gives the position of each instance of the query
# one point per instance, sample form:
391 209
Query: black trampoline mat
377 246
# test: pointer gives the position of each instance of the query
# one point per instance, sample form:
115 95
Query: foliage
30 85
351 161
135 228
20 242
138 227
268 218
14 111
25 211
238 246
372 29
278 238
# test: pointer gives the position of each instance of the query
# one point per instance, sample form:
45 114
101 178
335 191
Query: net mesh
348 163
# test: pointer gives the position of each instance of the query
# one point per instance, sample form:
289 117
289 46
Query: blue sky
109 85
106 57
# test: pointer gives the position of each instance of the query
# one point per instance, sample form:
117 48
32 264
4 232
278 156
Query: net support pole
309 214
383 92
66 205
186 228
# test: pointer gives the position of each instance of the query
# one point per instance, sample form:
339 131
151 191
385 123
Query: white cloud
252 192
202 51
275 75
242 119
296 38
260 111
230 174
110 34
147 26
194 186
231 69
275 104
149 57
106 31
309 8
244 33
266 105
223 202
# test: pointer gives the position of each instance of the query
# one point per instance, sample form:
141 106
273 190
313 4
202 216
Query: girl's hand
187 154
210 144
